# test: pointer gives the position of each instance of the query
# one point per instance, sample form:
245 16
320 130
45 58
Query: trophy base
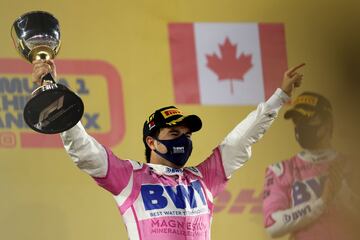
53 109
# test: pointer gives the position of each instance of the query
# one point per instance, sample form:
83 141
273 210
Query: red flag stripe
184 64
273 55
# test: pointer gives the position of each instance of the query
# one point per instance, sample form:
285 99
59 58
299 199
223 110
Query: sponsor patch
170 112
309 100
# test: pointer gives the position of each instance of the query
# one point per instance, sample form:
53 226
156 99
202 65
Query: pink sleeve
276 195
117 176
213 173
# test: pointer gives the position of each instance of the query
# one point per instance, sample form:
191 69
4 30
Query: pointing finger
292 70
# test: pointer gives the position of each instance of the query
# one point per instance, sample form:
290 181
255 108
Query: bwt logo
301 190
155 197
15 92
296 214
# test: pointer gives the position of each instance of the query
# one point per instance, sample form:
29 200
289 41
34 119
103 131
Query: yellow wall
43 196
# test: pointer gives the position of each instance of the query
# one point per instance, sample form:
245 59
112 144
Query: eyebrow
172 130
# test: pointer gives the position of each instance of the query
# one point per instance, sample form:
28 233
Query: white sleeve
292 219
236 147
89 155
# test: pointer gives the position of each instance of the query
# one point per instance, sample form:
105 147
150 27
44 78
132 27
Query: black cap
168 117
308 105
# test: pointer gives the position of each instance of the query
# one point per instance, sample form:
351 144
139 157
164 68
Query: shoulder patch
194 171
277 168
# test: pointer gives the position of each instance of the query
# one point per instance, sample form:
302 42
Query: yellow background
42 194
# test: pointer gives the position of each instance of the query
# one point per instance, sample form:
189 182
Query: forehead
316 120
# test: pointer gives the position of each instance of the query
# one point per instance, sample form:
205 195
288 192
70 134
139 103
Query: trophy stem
41 53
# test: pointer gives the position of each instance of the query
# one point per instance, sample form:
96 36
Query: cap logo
305 113
170 112
151 117
309 100
176 121
151 125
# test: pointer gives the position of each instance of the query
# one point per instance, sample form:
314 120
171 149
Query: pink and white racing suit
158 202
293 204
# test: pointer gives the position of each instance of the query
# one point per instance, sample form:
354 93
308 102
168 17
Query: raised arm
89 155
236 147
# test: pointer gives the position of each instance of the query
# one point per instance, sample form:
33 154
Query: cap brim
298 113
193 122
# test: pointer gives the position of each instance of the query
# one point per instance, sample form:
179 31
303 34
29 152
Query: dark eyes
176 134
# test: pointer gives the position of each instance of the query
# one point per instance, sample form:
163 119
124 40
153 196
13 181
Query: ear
150 141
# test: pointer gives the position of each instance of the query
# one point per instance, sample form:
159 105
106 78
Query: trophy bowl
52 108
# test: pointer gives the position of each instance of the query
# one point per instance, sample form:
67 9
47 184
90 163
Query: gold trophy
52 108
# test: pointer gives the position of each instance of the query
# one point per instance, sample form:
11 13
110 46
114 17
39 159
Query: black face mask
308 135
178 150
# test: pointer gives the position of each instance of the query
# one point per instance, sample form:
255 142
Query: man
163 199
307 195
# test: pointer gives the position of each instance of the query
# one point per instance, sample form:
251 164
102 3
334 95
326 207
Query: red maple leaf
228 66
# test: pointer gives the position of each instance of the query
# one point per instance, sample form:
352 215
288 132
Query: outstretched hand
292 79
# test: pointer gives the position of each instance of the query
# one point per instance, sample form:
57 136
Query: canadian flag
226 63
